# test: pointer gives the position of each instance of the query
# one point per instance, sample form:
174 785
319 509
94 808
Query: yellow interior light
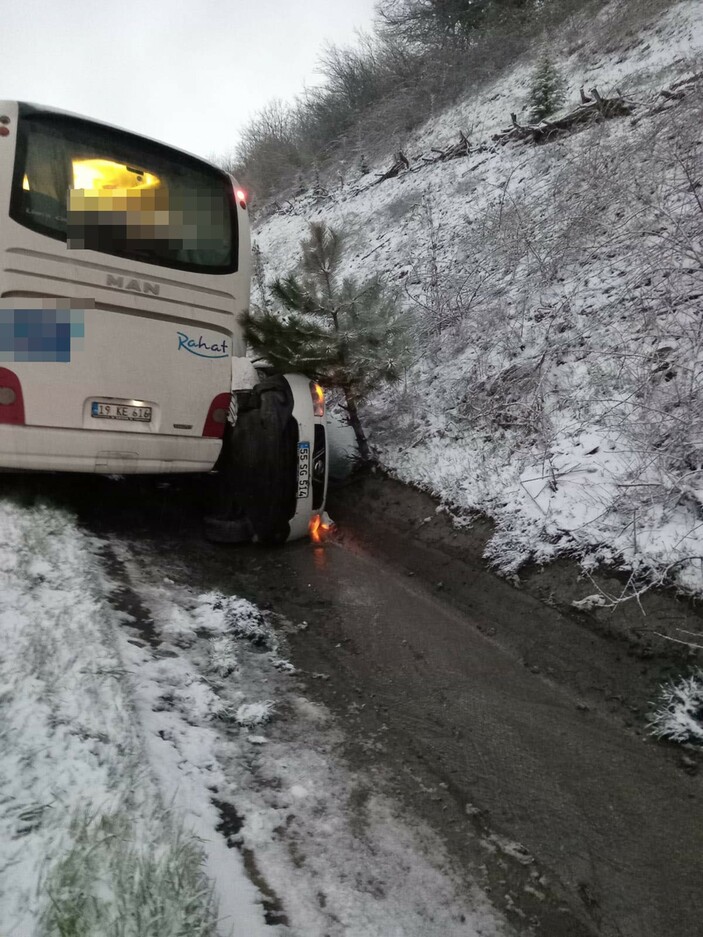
25 183
100 175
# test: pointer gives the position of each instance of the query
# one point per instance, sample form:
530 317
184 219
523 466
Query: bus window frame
139 143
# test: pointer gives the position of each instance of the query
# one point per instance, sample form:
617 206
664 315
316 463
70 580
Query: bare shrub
377 92
268 154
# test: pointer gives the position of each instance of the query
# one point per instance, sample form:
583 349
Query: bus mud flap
258 468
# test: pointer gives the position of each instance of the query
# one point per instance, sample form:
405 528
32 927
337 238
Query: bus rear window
101 189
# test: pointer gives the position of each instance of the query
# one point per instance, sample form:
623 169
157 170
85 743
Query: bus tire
258 468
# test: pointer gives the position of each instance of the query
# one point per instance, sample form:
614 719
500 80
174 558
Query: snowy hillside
554 293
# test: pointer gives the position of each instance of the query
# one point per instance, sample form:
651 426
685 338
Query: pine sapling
344 333
547 90
319 191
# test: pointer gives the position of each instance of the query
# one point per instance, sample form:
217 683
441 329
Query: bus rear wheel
257 470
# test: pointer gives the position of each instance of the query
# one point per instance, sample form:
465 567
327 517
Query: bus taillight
217 416
11 399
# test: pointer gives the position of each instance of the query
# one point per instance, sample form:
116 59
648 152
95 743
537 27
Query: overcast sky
187 73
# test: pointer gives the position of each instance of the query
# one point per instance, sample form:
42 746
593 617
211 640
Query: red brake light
11 399
241 197
217 416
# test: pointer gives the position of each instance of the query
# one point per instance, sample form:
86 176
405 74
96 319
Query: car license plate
120 411
303 469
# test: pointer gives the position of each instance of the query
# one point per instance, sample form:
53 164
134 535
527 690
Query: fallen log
683 82
455 151
400 165
672 95
592 108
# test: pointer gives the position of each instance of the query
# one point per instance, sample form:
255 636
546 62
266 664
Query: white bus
124 267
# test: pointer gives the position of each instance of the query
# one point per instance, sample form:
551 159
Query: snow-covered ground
553 293
166 768
89 838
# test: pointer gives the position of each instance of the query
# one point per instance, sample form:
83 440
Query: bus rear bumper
41 448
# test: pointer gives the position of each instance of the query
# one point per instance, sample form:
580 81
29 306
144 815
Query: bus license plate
120 411
303 469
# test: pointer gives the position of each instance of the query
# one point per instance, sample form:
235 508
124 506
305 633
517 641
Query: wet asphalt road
575 824
618 830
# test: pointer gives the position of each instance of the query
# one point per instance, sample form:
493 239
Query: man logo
136 286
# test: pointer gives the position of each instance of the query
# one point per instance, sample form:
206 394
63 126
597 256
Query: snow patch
254 714
73 772
679 710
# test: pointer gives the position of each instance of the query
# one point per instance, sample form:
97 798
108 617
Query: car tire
258 468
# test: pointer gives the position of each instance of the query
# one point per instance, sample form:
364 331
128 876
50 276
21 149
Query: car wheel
258 468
